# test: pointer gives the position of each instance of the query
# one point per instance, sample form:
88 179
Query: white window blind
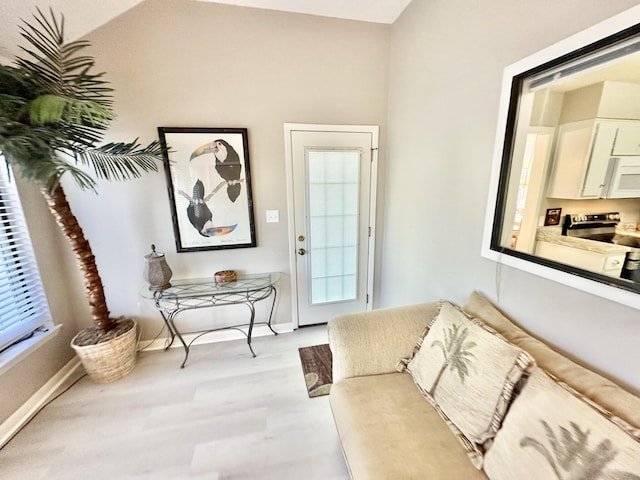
23 305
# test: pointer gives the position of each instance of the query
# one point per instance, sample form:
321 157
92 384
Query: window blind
23 305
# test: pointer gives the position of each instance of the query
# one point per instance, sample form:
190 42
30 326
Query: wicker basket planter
111 360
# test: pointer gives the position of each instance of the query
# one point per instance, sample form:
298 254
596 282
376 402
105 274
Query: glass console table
191 294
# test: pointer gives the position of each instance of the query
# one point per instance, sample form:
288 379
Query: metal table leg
170 311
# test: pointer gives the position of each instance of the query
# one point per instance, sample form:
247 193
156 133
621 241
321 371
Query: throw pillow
401 366
552 433
468 371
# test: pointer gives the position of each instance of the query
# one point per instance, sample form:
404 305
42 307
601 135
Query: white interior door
332 209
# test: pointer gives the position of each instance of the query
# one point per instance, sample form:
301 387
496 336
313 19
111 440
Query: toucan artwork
200 214
227 164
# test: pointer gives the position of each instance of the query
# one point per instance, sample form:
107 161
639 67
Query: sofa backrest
604 392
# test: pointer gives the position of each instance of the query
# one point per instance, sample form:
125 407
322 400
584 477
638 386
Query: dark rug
316 366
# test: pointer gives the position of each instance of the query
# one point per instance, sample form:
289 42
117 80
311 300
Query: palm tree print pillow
468 371
552 434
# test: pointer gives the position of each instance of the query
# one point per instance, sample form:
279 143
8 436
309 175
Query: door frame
289 128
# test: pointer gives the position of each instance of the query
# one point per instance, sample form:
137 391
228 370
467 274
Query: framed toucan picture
209 187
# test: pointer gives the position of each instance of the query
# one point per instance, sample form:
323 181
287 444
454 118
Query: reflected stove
591 226
600 227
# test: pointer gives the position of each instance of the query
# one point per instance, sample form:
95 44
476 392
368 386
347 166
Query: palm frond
61 68
122 161
461 368
451 335
439 344
11 107
38 162
58 167
54 111
52 108
24 147
15 82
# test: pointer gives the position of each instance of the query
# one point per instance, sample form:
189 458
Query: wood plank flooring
224 416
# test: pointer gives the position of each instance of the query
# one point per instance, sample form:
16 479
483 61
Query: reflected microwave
623 178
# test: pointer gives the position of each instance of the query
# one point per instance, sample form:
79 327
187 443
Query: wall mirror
565 194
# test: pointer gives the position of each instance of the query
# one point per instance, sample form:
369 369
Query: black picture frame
552 217
209 187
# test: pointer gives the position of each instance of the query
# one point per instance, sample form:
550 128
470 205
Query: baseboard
31 407
217 336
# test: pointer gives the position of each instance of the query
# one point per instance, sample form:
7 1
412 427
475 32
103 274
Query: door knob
301 251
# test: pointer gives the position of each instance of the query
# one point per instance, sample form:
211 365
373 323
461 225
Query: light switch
273 216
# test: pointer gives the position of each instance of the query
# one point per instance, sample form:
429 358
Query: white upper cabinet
583 152
627 141
597 122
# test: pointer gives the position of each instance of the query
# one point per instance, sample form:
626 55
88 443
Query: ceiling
81 19
378 11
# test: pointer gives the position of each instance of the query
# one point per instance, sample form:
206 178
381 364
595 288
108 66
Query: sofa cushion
602 391
550 432
370 343
388 431
468 371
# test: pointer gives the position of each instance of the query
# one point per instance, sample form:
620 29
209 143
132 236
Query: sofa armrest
373 342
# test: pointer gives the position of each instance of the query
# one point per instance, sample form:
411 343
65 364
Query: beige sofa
389 431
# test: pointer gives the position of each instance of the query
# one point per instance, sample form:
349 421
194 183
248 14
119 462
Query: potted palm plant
54 111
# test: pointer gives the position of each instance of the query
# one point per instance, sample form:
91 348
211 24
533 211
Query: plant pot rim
130 324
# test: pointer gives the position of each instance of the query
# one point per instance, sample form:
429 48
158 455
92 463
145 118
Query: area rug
316 366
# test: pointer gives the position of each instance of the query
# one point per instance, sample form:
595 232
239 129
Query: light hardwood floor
226 415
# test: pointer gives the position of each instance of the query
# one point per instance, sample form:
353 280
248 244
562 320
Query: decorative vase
156 271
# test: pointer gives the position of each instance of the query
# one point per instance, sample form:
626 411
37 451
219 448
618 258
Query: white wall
447 58
192 64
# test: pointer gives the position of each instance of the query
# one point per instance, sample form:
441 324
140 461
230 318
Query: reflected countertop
632 232
554 235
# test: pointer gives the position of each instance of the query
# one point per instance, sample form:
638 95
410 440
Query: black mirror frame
620 27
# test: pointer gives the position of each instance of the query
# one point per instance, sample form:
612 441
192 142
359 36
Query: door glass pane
333 178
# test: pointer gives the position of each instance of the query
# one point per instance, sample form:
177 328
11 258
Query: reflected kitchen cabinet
583 154
604 260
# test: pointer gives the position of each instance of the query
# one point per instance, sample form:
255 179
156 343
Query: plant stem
67 221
